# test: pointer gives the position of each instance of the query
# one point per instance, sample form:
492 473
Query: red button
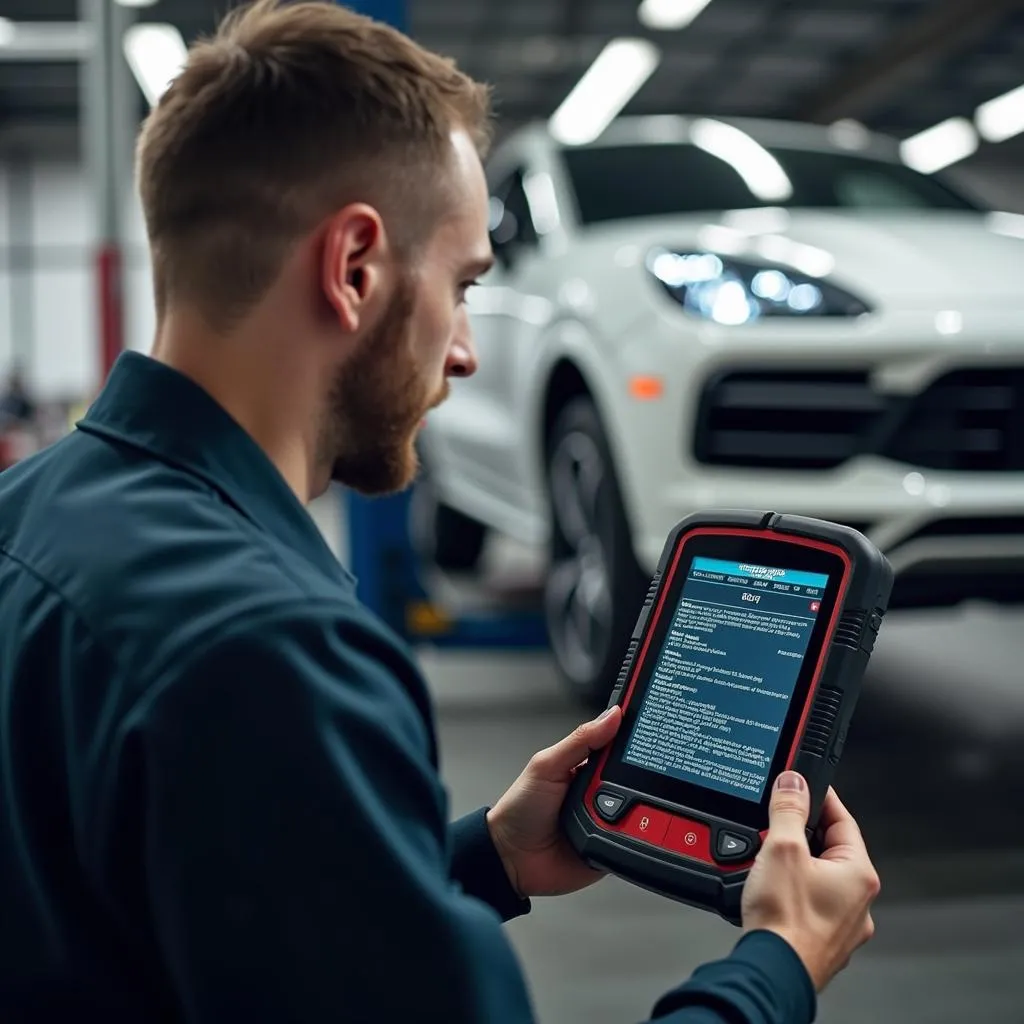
647 824
690 839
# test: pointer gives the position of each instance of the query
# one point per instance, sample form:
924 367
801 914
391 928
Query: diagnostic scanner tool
746 660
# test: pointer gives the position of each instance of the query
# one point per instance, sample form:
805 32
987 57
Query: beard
376 404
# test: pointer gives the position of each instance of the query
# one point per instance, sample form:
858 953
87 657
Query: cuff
762 980
477 867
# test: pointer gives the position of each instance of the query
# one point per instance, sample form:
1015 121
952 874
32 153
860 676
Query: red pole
111 306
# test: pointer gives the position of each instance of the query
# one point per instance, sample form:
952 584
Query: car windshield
652 180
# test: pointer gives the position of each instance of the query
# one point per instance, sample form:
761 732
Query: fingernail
791 782
608 713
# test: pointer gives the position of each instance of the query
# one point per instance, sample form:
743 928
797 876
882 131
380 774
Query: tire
442 536
595 588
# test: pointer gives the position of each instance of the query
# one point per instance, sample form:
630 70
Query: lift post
382 556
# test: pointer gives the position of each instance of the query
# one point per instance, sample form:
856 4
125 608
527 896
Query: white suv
693 313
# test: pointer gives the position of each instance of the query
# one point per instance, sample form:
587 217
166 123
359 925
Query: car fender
574 342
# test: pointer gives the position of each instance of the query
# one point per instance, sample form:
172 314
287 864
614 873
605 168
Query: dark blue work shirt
220 796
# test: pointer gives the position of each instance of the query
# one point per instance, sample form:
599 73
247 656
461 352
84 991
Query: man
220 789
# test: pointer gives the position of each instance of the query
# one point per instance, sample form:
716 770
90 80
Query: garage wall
48 308
48 313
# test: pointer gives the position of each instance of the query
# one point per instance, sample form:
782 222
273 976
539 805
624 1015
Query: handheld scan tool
746 660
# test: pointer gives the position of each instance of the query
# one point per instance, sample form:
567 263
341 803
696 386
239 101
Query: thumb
556 763
790 807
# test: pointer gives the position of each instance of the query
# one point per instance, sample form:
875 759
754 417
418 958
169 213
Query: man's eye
465 286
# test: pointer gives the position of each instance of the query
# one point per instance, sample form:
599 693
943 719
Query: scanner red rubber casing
668 848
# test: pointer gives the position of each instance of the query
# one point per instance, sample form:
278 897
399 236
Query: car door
482 429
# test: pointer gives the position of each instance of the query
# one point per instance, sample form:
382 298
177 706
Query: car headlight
735 291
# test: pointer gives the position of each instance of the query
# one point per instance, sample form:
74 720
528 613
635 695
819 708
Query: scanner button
690 839
732 846
647 824
608 805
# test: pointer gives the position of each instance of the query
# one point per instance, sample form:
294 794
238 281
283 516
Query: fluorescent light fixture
136 3
939 146
762 173
669 15
44 40
1009 224
156 54
614 78
1002 118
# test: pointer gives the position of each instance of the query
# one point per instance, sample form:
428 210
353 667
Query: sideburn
375 405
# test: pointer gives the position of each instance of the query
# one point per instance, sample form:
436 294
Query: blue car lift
383 560
382 556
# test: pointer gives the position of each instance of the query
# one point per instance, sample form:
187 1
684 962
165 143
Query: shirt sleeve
477 867
296 861
296 846
762 981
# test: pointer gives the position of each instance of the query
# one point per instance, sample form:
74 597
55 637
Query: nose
462 359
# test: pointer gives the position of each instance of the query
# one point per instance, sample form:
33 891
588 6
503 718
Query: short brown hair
289 112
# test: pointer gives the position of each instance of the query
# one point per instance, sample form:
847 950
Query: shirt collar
153 407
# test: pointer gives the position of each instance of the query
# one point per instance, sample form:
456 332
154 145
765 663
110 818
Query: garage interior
934 766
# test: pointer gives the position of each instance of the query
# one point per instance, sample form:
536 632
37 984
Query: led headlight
736 291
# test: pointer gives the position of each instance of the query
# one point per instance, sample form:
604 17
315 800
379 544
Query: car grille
967 420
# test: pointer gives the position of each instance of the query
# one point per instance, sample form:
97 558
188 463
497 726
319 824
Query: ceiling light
156 54
44 40
939 146
670 14
762 173
136 3
1002 118
614 78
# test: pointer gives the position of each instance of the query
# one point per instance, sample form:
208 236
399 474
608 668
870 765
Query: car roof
844 137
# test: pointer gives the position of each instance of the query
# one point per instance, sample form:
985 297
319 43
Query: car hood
923 260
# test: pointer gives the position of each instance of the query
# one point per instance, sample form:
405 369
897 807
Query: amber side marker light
646 389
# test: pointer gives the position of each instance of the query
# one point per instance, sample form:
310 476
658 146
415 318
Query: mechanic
221 798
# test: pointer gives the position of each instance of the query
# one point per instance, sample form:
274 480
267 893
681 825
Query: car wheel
442 536
595 588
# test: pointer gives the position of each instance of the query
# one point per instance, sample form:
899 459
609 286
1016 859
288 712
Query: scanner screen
724 678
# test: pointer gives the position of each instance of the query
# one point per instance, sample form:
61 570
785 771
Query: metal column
381 555
109 105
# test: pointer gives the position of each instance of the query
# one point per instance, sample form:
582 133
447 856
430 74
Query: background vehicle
691 313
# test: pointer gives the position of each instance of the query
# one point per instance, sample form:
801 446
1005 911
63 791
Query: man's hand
820 906
524 822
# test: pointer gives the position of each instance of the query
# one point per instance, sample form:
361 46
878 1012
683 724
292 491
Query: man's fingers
556 763
788 811
841 834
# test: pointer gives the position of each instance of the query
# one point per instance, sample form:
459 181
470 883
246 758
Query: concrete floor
934 770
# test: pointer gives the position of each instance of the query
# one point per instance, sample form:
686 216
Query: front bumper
929 525
954 507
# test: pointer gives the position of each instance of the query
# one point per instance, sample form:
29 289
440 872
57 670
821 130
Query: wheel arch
569 378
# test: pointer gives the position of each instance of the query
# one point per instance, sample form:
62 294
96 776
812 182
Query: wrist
806 949
504 852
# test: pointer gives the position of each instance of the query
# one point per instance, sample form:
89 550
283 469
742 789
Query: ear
354 252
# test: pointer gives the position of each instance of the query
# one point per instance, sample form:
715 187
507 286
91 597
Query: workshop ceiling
896 65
